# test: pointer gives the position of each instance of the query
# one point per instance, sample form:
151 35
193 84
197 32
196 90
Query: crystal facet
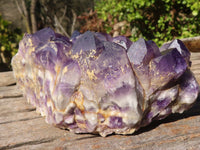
93 83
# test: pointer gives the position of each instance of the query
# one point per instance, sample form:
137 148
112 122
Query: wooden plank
22 128
10 91
16 109
6 78
12 105
28 131
195 58
192 43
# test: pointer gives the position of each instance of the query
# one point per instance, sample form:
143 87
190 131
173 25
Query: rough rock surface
93 83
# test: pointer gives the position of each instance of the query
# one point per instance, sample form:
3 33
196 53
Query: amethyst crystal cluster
93 83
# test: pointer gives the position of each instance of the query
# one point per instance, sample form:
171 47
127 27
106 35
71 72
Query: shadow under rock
193 111
87 137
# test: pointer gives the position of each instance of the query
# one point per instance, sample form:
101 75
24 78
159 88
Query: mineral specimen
93 83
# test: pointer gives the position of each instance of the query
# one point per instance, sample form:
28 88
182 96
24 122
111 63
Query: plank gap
36 142
24 119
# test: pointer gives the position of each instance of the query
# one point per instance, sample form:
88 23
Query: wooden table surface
22 128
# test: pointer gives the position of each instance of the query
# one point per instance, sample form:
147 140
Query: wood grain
192 43
22 128
6 78
195 58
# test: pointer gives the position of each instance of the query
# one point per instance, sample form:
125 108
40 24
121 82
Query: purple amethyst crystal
93 83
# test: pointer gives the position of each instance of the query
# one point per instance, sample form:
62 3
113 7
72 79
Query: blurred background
157 20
